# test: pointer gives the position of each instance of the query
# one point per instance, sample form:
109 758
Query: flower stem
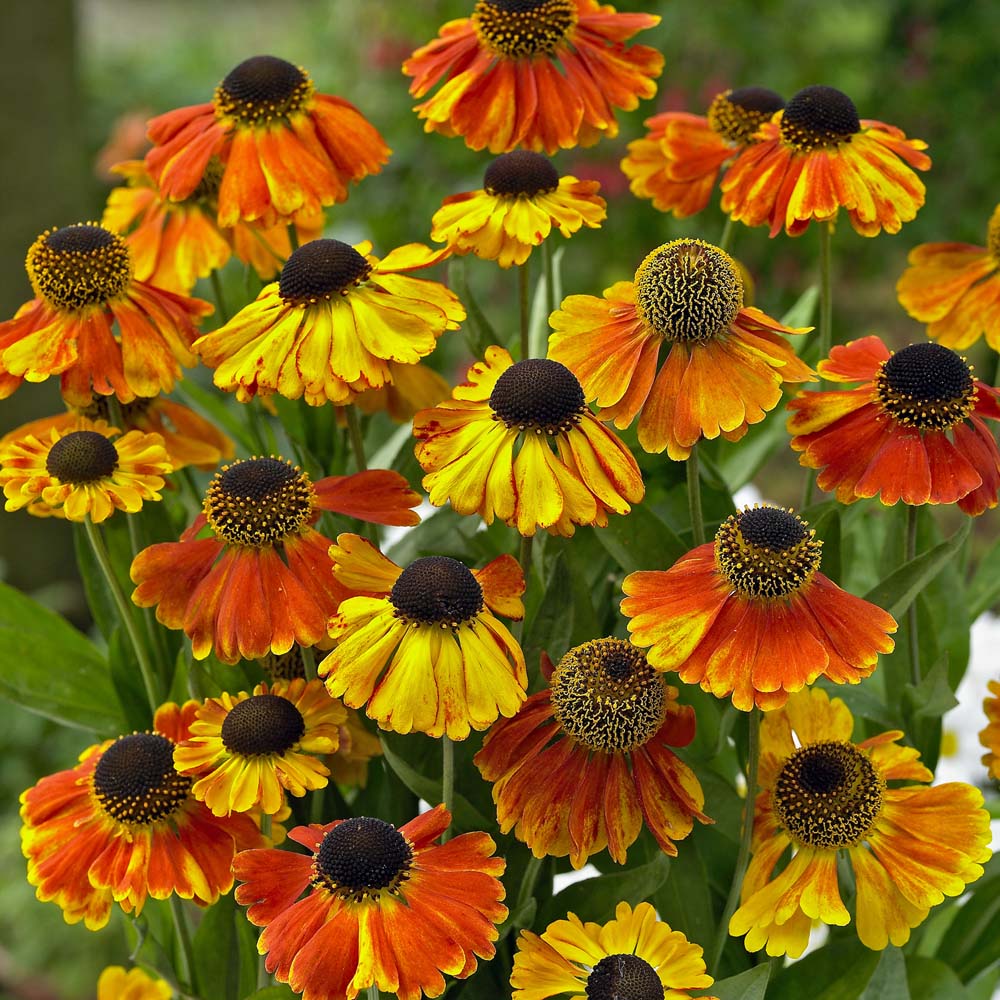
727 234
694 497
912 514
522 286
550 279
309 662
357 440
528 881
825 290
220 299
373 993
293 236
743 857
186 973
447 777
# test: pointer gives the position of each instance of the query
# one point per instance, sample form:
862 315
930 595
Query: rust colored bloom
990 736
284 148
383 906
541 74
85 288
586 761
817 157
725 363
677 163
261 552
955 289
750 615
913 430
821 794
122 825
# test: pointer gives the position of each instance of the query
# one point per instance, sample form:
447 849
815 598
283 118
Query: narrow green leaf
971 943
641 541
984 590
749 985
478 330
803 310
933 696
888 981
218 408
839 970
218 959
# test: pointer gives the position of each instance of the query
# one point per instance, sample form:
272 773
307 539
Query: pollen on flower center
737 114
518 28
521 172
688 290
607 697
926 386
818 118
828 795
437 590
262 89
320 270
79 266
624 977
362 857
767 552
262 724
82 457
258 501
539 395
135 780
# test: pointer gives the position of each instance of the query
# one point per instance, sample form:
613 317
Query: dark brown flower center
79 266
926 386
828 795
320 270
521 173
262 89
135 780
82 457
607 697
819 118
538 395
688 290
258 501
437 590
519 28
737 114
362 857
766 552
262 724
624 977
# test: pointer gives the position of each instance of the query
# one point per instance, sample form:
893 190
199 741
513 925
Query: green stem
550 278
220 299
308 661
528 881
186 973
694 497
524 558
357 440
447 777
912 514
522 288
825 290
807 491
293 236
259 237
727 234
373 993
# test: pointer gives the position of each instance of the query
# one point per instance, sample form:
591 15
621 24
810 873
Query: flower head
725 363
117 984
677 163
424 651
332 323
586 761
84 285
541 74
821 794
570 468
635 956
913 430
261 552
816 157
123 825
750 615
384 906
284 148
990 736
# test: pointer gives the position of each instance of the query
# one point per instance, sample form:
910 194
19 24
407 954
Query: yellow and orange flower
467 448
541 74
122 825
409 389
587 760
284 148
87 470
990 736
955 289
677 163
84 285
750 615
263 553
633 955
817 157
725 363
385 907
913 430
522 199
423 650
332 324
117 984
821 794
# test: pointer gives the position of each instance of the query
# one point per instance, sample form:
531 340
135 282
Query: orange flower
725 363
541 74
913 430
122 825
84 285
677 163
990 736
817 157
284 148
751 615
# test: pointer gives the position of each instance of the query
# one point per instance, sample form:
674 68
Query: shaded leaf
888 981
749 985
641 541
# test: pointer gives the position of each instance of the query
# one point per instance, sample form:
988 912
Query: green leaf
984 589
223 958
840 970
803 310
478 330
931 979
641 541
274 993
749 985
219 409
933 696
971 943
888 981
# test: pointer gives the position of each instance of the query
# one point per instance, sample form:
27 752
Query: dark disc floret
521 172
624 977
362 857
926 386
519 28
135 780
261 89
539 395
320 270
437 590
819 117
262 724
82 457
738 114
